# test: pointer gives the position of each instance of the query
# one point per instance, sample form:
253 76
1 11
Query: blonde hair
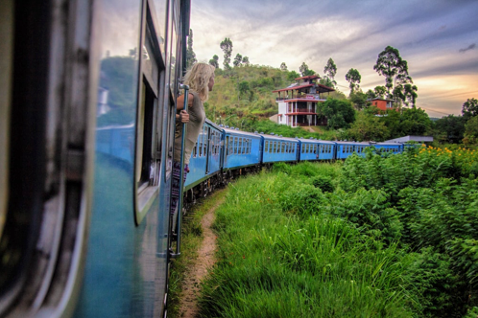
197 78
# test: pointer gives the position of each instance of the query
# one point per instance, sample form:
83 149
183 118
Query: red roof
321 88
311 77
293 88
301 113
301 100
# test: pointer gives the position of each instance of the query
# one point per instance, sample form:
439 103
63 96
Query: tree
305 71
226 47
214 61
353 77
190 55
450 128
292 75
380 91
339 113
283 67
237 60
368 127
243 88
393 67
245 60
414 121
471 131
371 94
410 94
470 108
359 100
327 82
330 70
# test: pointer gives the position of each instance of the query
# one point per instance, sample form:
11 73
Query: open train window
149 119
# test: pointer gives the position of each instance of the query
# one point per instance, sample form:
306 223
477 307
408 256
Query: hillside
242 97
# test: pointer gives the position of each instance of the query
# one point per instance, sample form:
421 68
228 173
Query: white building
298 102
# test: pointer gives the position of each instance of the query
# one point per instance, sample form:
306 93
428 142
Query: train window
227 145
205 144
266 147
149 125
239 148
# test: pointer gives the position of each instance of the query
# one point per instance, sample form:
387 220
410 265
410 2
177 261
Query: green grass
281 258
191 239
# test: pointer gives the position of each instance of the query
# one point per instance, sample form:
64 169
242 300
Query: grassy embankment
375 237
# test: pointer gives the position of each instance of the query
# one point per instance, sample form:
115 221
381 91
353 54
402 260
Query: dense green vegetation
371 237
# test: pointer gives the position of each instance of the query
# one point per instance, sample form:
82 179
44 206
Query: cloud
470 47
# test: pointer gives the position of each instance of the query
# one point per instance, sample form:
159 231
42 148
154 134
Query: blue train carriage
359 148
388 147
241 150
313 149
86 237
344 149
326 150
205 160
278 148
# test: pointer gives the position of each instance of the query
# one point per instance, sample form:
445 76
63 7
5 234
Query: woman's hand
183 116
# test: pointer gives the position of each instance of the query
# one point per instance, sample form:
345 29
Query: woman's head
198 78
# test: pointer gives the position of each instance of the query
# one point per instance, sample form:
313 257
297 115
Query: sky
438 39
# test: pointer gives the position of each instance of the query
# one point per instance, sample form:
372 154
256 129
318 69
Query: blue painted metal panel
344 149
126 264
326 150
279 149
386 147
241 149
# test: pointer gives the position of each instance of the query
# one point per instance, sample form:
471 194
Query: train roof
239 132
275 137
386 144
363 143
213 124
316 141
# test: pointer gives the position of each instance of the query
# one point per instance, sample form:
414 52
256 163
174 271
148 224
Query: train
223 153
88 95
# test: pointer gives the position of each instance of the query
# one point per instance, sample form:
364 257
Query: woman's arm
180 103
183 115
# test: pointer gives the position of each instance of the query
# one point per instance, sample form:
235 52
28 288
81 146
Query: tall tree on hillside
305 71
410 94
330 70
380 91
190 55
283 67
214 61
353 77
327 82
237 60
391 65
226 47
245 60
470 108
371 94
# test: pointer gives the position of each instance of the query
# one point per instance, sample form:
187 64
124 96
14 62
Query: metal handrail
181 177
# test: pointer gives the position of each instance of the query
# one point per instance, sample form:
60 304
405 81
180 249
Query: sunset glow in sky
438 39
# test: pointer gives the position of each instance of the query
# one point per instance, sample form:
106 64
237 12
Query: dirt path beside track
204 262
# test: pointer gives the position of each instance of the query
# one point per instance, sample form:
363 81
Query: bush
324 183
